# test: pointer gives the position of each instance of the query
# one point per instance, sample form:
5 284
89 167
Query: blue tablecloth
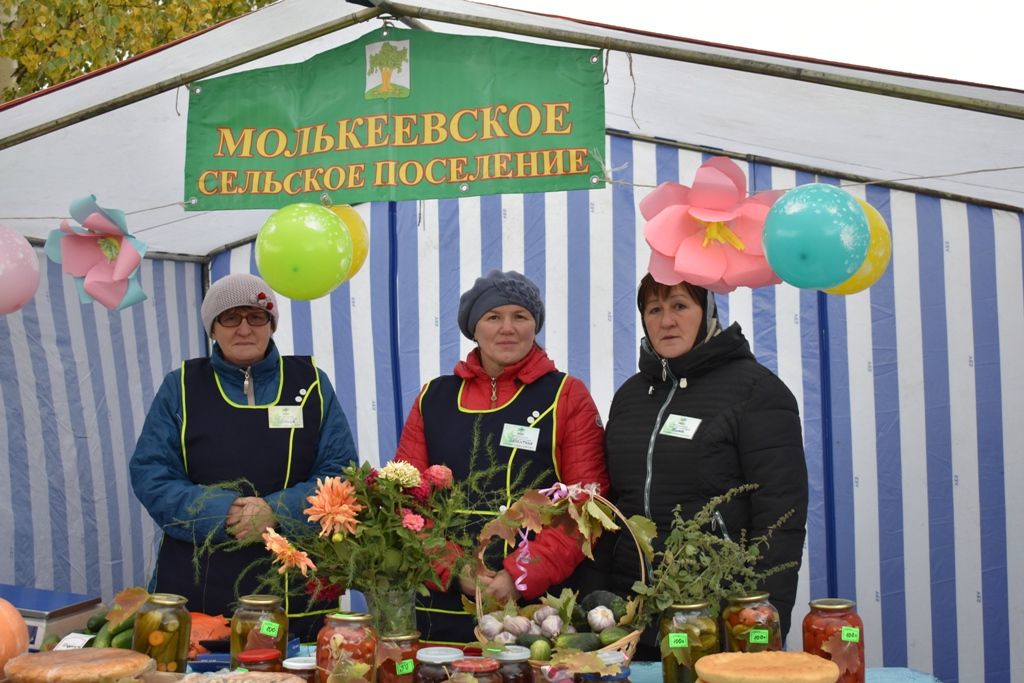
650 672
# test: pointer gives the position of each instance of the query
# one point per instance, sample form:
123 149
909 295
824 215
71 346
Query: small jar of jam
834 630
265 659
515 664
434 664
259 622
478 669
347 646
751 624
162 627
303 667
397 658
688 632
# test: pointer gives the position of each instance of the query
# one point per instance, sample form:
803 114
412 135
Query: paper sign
680 426
269 628
285 417
518 436
74 641
404 667
758 635
851 634
679 640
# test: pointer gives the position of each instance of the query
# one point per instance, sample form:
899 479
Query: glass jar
263 659
397 658
479 669
608 658
834 630
515 664
433 664
162 629
751 624
347 645
259 623
688 632
303 667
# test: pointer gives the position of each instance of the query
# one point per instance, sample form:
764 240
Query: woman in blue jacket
245 413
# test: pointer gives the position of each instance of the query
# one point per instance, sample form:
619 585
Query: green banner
395 115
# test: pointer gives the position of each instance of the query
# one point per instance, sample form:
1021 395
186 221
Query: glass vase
393 611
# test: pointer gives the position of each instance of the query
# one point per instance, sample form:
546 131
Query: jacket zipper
665 374
247 387
494 392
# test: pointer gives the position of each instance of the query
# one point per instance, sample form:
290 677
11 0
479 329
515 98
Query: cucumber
122 640
587 642
102 638
96 622
540 650
611 634
125 625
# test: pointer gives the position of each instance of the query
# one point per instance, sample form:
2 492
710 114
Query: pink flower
411 521
708 235
420 492
438 476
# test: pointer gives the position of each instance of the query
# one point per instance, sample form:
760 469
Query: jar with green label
397 658
751 624
834 630
259 622
346 648
686 632
162 629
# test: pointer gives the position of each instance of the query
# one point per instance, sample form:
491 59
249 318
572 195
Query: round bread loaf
766 667
89 665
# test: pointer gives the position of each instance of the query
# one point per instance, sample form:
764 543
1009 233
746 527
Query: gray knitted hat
498 289
239 289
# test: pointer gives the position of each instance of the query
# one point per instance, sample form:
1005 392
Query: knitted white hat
239 289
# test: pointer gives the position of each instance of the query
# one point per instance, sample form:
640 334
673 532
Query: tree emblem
385 77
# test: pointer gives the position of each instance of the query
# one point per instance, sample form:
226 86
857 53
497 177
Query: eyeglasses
257 318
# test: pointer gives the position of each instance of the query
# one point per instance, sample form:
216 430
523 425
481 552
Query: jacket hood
534 365
724 347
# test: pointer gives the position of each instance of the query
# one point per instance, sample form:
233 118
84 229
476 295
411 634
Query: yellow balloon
360 237
877 259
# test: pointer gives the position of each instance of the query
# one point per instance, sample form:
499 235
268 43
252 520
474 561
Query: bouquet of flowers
389 533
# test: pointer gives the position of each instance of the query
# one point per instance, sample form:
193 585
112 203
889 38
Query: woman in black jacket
701 417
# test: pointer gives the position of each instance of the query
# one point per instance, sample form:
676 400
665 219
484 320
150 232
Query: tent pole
875 87
186 78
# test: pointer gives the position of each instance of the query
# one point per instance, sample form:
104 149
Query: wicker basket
625 645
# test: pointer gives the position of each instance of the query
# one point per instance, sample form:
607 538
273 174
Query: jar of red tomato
483 669
346 646
834 630
397 658
751 624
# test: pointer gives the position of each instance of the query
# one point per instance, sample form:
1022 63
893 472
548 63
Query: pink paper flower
709 234
100 254
438 476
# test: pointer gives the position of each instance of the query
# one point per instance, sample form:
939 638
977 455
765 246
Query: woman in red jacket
508 398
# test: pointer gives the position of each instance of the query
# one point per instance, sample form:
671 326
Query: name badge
285 417
680 426
518 436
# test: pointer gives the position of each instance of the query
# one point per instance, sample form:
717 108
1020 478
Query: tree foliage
56 40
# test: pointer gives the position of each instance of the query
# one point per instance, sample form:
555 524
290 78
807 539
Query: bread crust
88 665
766 667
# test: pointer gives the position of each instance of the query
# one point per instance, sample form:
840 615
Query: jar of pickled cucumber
162 628
259 623
833 630
346 646
686 632
751 624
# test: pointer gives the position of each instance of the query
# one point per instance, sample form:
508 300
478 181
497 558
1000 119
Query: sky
976 40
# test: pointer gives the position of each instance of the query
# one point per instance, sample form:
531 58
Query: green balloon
303 251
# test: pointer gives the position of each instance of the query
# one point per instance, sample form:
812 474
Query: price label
758 635
679 640
851 634
270 628
404 667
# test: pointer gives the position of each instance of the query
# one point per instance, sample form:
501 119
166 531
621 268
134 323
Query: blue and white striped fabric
75 383
906 390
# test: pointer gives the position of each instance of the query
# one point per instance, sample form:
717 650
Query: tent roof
132 157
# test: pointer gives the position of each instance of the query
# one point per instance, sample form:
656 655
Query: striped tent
906 390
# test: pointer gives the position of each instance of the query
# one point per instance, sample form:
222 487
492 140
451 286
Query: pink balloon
19 271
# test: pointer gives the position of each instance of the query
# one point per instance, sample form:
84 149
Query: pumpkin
13 633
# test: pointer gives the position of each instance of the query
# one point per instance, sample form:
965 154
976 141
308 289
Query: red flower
321 588
420 492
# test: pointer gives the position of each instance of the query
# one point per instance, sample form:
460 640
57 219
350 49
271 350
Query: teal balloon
816 236
304 251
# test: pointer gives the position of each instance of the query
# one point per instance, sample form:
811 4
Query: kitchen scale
46 612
